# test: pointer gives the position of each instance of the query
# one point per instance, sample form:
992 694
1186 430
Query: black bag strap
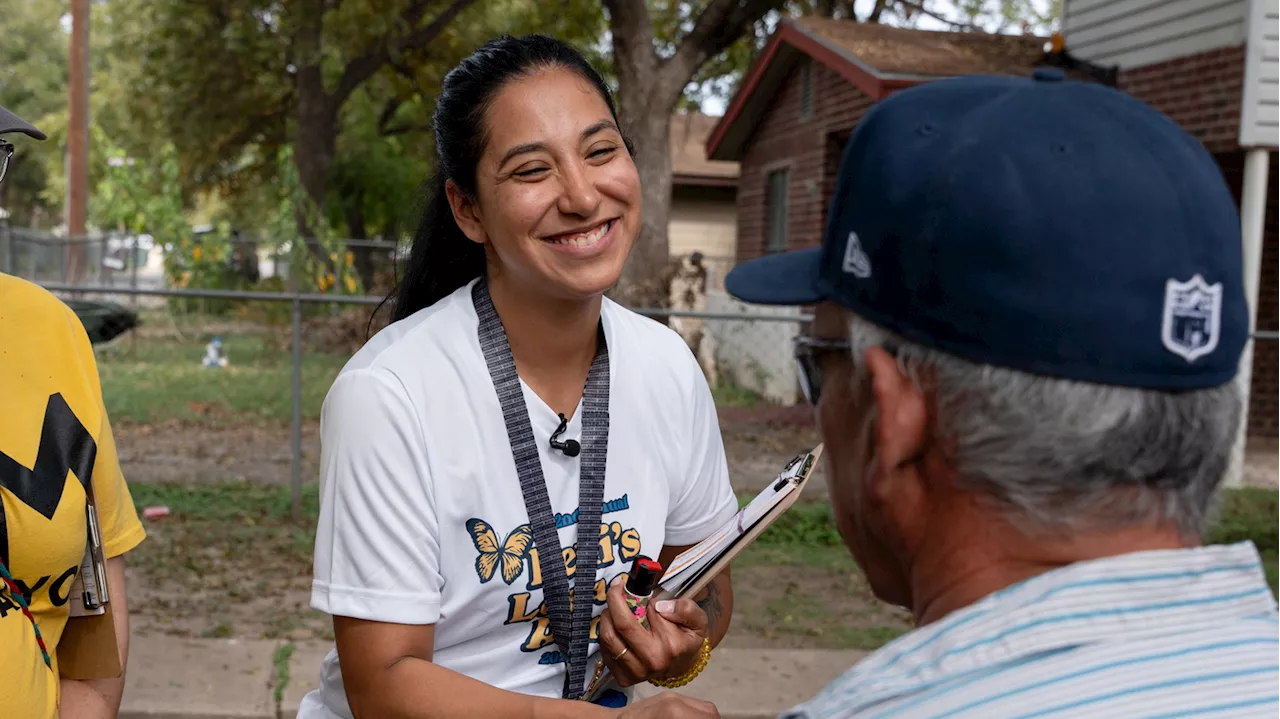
570 620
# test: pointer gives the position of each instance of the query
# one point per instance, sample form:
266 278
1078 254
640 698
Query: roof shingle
903 51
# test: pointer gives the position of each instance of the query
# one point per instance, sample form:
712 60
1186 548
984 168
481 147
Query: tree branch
877 11
366 65
403 129
633 46
920 8
720 23
388 112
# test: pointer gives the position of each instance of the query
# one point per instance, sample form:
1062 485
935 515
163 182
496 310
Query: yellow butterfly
511 553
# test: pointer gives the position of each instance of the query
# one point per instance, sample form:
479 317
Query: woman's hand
668 648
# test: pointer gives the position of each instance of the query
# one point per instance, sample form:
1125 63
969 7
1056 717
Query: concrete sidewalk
177 678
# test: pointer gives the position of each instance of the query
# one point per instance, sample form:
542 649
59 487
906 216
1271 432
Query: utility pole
78 140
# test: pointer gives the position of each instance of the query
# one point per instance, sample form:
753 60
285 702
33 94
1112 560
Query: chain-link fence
231 364
232 261
231 368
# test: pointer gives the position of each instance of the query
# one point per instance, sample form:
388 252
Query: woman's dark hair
443 258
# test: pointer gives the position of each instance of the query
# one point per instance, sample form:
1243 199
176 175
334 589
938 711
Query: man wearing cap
56 451
1029 314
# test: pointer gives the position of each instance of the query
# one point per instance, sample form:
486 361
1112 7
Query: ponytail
442 259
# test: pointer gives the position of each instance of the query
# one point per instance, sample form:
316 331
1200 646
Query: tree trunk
317 124
648 89
642 282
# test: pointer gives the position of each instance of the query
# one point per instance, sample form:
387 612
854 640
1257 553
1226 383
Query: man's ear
901 424
465 213
897 489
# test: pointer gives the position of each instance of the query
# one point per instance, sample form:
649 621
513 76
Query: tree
673 53
32 85
657 51
244 77
349 84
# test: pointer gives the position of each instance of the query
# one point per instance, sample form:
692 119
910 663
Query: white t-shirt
422 520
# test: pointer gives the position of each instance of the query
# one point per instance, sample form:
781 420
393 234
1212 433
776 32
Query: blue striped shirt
1172 633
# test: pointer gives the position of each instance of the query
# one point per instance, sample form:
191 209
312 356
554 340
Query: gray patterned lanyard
570 621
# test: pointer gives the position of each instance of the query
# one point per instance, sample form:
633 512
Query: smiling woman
507 407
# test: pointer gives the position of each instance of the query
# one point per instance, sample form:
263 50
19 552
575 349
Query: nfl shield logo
1192 314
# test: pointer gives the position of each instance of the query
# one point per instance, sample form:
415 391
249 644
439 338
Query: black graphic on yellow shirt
65 445
518 554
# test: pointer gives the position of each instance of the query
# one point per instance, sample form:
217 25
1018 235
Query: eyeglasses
6 151
809 352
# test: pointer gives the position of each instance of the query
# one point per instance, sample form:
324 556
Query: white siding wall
1259 124
755 355
706 226
1133 33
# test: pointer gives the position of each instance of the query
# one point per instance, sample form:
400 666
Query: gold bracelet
704 655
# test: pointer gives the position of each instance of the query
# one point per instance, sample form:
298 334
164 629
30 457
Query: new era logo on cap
856 262
1060 228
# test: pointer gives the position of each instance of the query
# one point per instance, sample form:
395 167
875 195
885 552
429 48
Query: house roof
893 51
876 59
689 162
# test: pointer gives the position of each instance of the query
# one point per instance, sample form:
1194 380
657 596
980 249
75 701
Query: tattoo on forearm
712 605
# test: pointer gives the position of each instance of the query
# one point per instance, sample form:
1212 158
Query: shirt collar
1135 595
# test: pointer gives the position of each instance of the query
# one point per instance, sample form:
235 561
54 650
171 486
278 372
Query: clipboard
602 680
88 648
728 555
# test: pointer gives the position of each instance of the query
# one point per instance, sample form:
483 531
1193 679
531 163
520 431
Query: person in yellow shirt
55 445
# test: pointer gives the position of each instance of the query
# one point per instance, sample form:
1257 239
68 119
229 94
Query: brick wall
785 138
1264 394
1202 93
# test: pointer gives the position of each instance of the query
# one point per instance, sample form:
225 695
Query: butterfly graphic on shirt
509 554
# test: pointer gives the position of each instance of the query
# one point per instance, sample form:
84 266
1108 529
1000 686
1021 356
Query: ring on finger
618 657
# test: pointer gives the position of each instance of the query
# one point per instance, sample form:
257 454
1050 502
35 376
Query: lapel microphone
570 448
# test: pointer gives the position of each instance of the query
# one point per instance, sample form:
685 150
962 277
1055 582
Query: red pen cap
643 577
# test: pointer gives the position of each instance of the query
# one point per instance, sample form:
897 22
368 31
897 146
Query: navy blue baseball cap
1056 227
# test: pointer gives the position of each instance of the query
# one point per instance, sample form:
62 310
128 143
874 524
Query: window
776 212
806 89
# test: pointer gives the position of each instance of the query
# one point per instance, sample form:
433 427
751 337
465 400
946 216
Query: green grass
151 380
1250 513
230 503
280 670
728 395
235 544
806 534
161 379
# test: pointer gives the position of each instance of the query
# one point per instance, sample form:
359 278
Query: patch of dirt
197 579
757 444
809 607
185 452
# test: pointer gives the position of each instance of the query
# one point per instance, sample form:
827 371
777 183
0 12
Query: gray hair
1058 454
